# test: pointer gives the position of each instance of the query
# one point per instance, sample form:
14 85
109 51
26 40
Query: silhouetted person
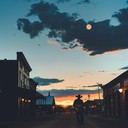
78 105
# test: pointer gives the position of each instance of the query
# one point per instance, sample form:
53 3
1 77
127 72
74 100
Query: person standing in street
78 105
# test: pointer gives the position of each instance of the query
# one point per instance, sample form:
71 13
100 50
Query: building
47 104
93 106
116 96
17 90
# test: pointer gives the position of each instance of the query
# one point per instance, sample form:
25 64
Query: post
88 96
98 92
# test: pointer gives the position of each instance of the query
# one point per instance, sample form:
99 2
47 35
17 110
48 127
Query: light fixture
22 99
120 90
29 101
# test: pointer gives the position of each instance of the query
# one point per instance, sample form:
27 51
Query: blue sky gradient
74 57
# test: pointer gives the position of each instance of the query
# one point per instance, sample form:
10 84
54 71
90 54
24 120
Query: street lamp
120 90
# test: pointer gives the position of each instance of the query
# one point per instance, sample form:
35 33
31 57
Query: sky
67 58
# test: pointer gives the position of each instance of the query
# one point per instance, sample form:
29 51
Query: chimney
48 93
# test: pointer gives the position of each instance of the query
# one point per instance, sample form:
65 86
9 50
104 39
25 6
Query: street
67 120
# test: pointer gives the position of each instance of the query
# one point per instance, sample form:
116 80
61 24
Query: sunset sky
66 58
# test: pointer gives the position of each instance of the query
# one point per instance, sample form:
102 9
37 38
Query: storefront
116 96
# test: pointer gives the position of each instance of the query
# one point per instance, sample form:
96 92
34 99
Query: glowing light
22 99
29 101
88 26
120 90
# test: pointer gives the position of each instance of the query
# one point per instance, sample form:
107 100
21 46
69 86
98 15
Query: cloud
101 71
33 29
81 76
84 2
54 43
67 92
70 87
113 74
62 1
45 82
90 86
68 29
124 68
79 1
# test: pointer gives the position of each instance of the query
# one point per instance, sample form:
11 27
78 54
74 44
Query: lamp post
120 90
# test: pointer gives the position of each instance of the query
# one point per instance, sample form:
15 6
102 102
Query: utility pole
98 92
99 85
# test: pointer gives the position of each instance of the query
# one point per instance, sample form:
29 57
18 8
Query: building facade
47 104
17 90
93 106
116 96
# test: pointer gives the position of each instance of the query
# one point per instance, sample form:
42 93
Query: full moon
88 26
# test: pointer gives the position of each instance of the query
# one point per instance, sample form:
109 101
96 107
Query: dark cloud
70 87
84 2
67 92
45 82
66 28
30 0
81 76
31 28
122 16
124 68
101 71
62 1
90 86
79 1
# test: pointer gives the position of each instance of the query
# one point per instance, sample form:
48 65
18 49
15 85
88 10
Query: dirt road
68 120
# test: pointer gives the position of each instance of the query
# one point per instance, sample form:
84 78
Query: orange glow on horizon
68 100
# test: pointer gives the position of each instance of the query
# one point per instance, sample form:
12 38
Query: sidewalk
38 118
102 116
6 124
113 122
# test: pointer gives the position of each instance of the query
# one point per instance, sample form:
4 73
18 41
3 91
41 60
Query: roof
21 56
117 79
33 82
39 96
49 100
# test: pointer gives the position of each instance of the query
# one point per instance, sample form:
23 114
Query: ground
67 120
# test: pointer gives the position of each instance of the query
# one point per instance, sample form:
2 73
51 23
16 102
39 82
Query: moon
88 26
